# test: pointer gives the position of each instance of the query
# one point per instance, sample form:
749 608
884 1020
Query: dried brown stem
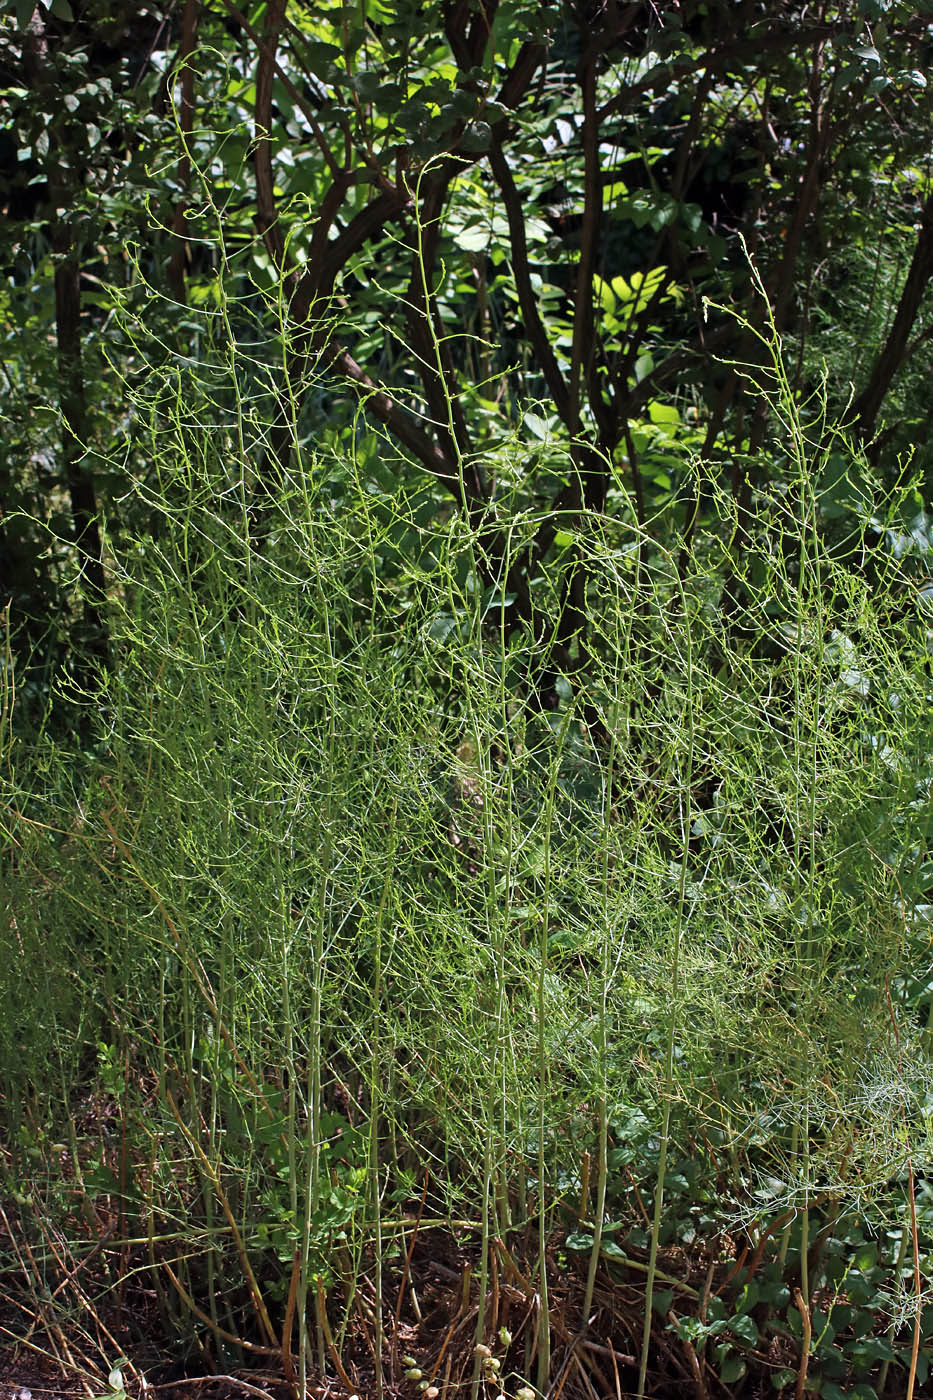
266 217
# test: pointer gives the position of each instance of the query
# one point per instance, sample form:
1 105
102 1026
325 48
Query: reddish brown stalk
460 1318
287 1363
406 1271
266 217
584 1206
238 1381
307 111
763 1238
213 1175
84 1300
806 1334
693 1361
328 1338
212 1326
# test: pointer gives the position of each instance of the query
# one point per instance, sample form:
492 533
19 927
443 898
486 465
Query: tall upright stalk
602 1034
684 798
476 685
543 1067
376 1066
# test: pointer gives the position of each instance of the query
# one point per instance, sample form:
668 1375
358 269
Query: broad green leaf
732 1369
745 1327
476 138
866 1255
604 293
473 239
536 425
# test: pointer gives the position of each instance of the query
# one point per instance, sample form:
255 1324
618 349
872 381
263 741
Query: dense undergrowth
364 1016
